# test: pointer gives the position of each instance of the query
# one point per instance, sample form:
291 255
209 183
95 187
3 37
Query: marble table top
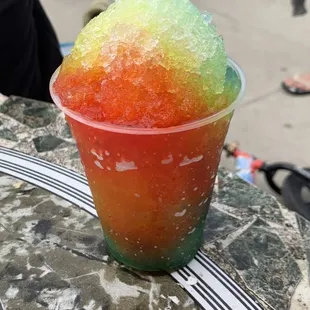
52 253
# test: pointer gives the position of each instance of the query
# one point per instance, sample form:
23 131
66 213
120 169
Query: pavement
269 44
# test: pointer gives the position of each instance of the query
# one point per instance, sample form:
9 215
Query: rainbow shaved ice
137 78
149 64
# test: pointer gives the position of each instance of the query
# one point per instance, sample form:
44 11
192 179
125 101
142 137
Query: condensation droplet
125 166
98 164
188 161
99 157
168 160
180 214
193 230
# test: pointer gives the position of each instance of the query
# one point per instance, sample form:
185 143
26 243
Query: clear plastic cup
152 187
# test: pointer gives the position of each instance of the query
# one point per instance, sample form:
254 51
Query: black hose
293 197
271 169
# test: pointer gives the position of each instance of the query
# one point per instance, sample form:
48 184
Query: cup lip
153 131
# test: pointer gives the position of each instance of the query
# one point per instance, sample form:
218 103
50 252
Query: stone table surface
52 253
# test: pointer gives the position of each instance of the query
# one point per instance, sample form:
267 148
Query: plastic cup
152 187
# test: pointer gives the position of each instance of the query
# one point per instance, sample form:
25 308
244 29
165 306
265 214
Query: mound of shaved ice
147 63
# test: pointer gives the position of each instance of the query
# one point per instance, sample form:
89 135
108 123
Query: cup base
130 265
152 266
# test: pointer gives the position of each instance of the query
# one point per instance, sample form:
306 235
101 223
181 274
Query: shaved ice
148 64
137 73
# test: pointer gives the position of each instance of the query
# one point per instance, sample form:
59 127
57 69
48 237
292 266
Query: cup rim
153 131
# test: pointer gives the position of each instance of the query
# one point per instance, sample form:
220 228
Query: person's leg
299 7
49 53
25 63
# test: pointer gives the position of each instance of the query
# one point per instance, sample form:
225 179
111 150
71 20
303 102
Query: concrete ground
269 44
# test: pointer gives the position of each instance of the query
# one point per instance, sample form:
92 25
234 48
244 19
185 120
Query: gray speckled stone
8 134
51 252
304 227
48 143
265 264
66 132
28 112
248 200
220 224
